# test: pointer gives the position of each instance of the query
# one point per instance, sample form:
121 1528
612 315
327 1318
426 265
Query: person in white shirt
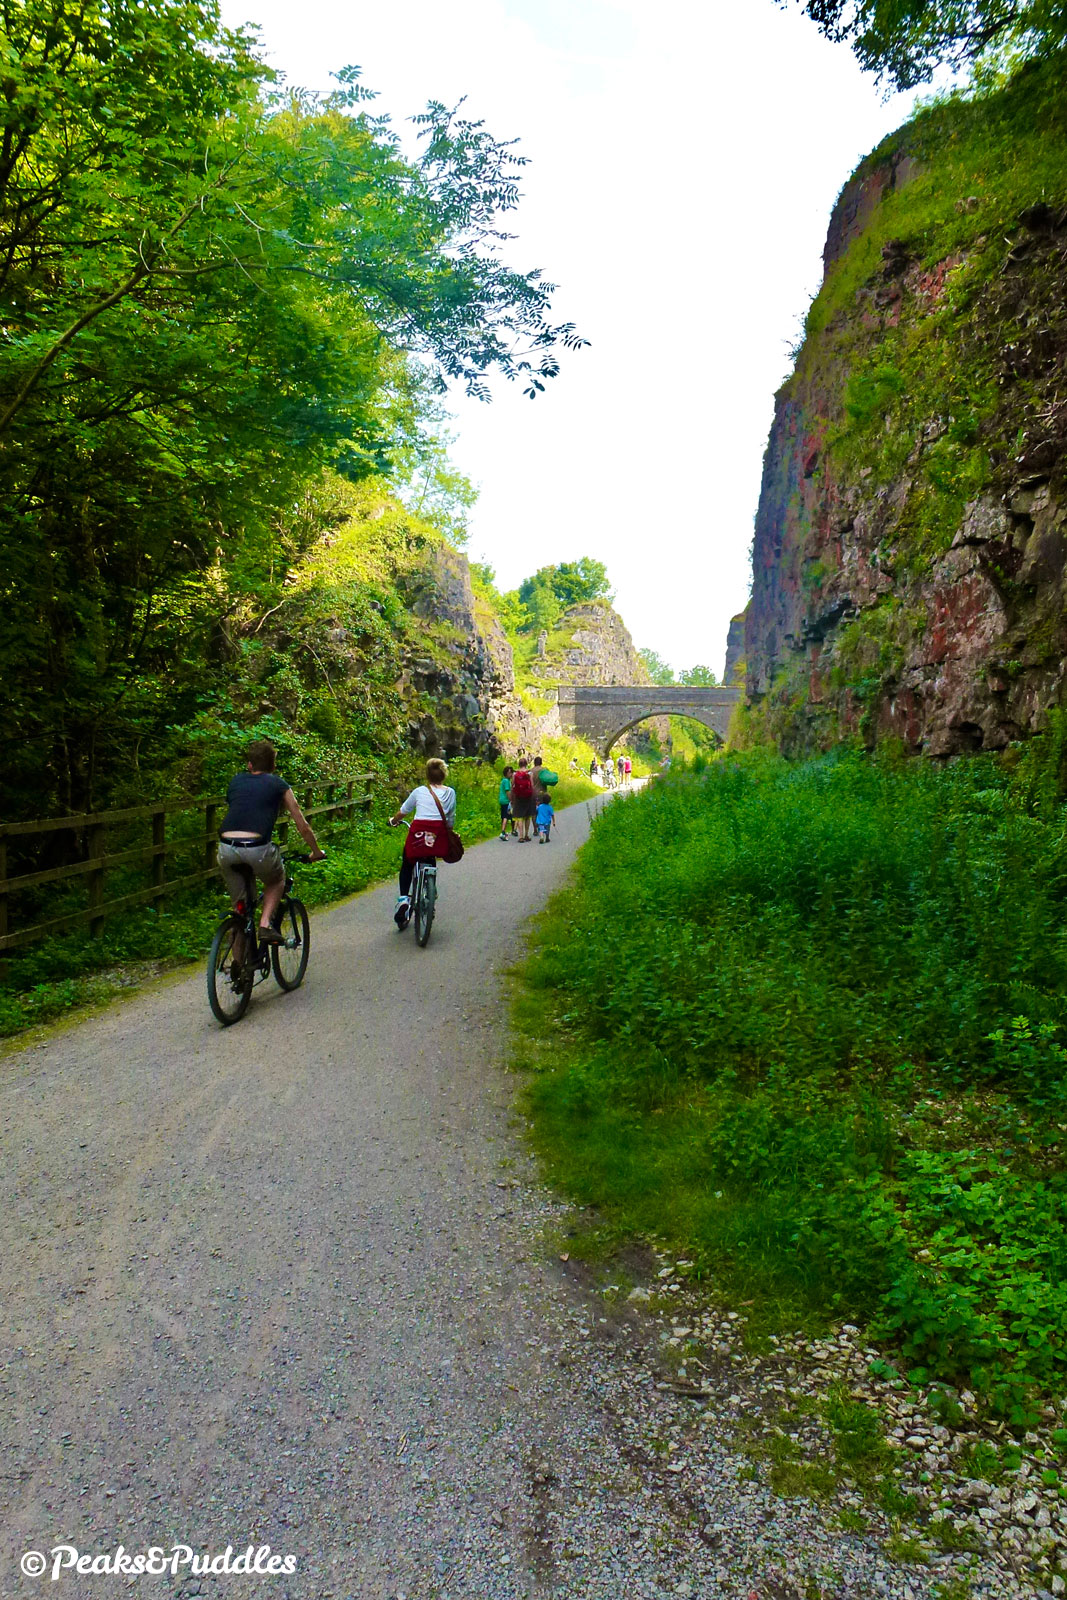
432 809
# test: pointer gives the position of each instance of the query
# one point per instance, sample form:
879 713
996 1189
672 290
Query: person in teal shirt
504 797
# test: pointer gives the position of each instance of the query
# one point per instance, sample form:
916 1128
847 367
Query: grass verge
802 1022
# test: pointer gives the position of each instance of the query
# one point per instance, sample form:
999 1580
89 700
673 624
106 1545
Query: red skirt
425 840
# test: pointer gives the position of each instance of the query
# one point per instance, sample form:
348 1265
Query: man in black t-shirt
254 799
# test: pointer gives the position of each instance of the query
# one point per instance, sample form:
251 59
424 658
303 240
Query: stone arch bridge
600 714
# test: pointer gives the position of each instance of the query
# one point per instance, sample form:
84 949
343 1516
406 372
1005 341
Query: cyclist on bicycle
254 799
428 833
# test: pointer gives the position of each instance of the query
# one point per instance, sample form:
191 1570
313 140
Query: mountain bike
239 960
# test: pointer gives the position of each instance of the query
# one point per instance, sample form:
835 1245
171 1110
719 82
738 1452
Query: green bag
548 778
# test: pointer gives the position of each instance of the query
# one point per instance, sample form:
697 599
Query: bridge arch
612 740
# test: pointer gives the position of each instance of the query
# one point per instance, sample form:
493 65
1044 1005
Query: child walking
544 819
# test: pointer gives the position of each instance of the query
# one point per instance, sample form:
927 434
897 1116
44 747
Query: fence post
159 860
94 850
350 789
210 829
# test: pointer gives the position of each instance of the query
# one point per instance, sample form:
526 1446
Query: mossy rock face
911 539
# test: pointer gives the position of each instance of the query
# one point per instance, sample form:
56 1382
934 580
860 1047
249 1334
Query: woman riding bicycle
428 833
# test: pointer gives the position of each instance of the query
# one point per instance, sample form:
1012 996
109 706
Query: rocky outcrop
599 650
910 545
734 670
458 679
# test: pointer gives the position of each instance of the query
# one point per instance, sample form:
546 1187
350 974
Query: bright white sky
684 156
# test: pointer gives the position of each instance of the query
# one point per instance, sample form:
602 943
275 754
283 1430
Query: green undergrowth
804 1022
61 975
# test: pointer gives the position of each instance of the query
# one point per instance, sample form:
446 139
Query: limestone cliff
383 645
910 553
592 645
734 670
457 679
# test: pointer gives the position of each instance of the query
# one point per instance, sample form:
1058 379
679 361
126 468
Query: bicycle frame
244 913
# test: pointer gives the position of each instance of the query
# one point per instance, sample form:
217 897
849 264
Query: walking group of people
526 801
613 773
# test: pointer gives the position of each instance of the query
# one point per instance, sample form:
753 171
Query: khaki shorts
264 861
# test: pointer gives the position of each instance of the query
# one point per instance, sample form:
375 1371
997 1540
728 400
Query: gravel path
292 1284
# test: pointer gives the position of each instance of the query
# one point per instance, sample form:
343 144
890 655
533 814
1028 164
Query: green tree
553 590
207 297
540 604
698 677
904 41
508 607
576 582
658 670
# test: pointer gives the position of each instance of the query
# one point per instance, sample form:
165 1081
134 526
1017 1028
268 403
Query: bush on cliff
811 1024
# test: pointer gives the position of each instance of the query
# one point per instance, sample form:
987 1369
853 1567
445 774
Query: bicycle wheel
290 960
424 905
229 985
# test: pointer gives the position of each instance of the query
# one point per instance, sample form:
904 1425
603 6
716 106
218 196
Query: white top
420 801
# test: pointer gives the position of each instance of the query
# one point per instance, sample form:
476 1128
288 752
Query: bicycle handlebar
291 855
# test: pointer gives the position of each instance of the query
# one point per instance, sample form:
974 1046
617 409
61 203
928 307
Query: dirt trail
272 1284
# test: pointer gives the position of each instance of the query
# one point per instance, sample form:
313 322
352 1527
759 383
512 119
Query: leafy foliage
209 292
812 1029
658 670
551 591
904 41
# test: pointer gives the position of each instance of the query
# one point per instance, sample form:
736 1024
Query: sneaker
402 912
503 835
270 936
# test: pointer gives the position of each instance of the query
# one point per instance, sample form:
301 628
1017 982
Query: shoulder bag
453 851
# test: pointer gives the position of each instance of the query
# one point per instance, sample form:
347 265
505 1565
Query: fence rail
95 860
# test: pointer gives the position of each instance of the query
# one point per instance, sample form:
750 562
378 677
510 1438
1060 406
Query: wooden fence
91 839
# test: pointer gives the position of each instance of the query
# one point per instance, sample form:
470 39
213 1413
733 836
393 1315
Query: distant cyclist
428 833
254 799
